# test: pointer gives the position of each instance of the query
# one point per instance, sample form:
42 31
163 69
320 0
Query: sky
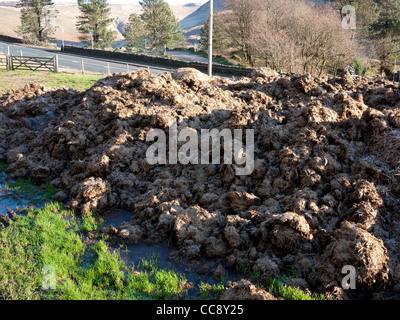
172 2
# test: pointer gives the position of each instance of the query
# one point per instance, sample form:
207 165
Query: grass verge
46 256
20 78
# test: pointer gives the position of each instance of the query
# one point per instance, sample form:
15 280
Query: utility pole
62 38
210 38
91 37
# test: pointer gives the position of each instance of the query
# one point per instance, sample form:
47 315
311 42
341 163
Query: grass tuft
211 292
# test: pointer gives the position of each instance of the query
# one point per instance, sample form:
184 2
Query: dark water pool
8 199
195 271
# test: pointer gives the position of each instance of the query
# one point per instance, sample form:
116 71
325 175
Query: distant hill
200 16
10 17
192 24
8 3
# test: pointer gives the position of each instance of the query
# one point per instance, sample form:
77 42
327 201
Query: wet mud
323 194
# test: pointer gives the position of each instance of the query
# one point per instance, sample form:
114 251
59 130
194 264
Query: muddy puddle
196 272
16 202
168 258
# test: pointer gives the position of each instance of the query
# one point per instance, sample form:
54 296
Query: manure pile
323 194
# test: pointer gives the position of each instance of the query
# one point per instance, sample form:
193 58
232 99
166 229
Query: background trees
241 20
135 31
221 39
157 24
366 11
294 36
37 19
95 16
160 23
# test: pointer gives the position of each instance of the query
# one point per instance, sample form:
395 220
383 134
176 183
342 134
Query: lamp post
210 38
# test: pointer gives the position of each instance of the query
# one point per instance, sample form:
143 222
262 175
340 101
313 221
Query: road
74 62
187 56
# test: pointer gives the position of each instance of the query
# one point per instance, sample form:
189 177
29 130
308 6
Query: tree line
307 36
157 25
286 35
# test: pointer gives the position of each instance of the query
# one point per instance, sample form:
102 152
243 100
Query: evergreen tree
135 30
95 16
37 19
161 24
220 37
388 22
366 11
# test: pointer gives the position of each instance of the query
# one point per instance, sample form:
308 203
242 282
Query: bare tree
296 36
241 19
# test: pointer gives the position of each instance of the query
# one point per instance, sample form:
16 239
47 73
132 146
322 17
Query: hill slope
192 24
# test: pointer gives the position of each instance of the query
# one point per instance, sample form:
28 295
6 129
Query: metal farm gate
33 63
3 62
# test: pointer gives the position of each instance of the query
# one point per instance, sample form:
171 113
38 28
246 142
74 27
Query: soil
323 195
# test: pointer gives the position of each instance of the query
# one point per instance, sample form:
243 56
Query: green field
19 79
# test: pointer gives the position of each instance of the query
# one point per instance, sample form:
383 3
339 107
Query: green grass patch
278 288
158 283
218 58
211 292
76 81
90 222
20 78
35 193
44 246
